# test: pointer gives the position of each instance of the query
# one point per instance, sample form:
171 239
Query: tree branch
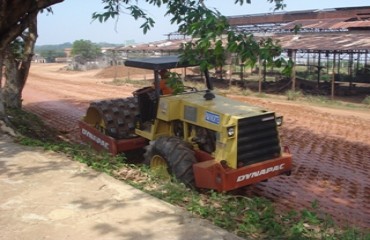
15 16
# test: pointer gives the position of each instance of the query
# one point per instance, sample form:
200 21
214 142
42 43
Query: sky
71 20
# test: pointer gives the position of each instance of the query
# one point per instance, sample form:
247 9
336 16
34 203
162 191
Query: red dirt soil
331 147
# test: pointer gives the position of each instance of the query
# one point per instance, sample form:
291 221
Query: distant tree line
83 49
50 52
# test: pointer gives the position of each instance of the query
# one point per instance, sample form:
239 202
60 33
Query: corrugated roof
356 41
165 45
331 42
333 24
286 17
336 24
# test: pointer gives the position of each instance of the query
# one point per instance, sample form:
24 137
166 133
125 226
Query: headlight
279 121
230 131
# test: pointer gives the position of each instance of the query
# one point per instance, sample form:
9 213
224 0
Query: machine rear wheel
177 157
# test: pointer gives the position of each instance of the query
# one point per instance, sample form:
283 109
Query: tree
212 36
86 50
16 16
17 62
50 55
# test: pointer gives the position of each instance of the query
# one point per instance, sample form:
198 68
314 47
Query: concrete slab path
45 195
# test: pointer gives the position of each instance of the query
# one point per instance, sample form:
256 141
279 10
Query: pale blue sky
72 19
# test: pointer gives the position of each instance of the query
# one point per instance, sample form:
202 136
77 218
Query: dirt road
331 147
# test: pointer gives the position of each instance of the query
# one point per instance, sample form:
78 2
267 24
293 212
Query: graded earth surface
330 146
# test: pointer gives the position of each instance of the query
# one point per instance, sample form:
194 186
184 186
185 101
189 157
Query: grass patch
135 83
321 100
250 218
247 92
31 126
366 101
324 101
293 95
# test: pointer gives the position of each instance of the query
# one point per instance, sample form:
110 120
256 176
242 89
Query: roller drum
114 117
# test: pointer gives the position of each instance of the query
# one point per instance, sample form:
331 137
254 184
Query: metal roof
339 41
326 20
165 45
326 41
286 17
333 24
157 63
337 29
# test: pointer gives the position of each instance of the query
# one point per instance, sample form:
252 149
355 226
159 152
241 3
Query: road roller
202 139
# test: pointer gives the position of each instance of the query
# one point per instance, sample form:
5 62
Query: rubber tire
179 156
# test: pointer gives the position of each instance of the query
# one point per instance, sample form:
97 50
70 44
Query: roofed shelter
335 34
332 37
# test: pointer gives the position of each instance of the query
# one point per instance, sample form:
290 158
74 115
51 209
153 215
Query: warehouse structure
320 39
332 43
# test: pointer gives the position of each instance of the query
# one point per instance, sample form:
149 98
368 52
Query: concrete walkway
45 195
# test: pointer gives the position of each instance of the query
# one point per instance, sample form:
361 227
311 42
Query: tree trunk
12 92
5 124
2 109
16 70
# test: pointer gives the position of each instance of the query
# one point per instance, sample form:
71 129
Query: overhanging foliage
212 37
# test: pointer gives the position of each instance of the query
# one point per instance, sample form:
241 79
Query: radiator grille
258 139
